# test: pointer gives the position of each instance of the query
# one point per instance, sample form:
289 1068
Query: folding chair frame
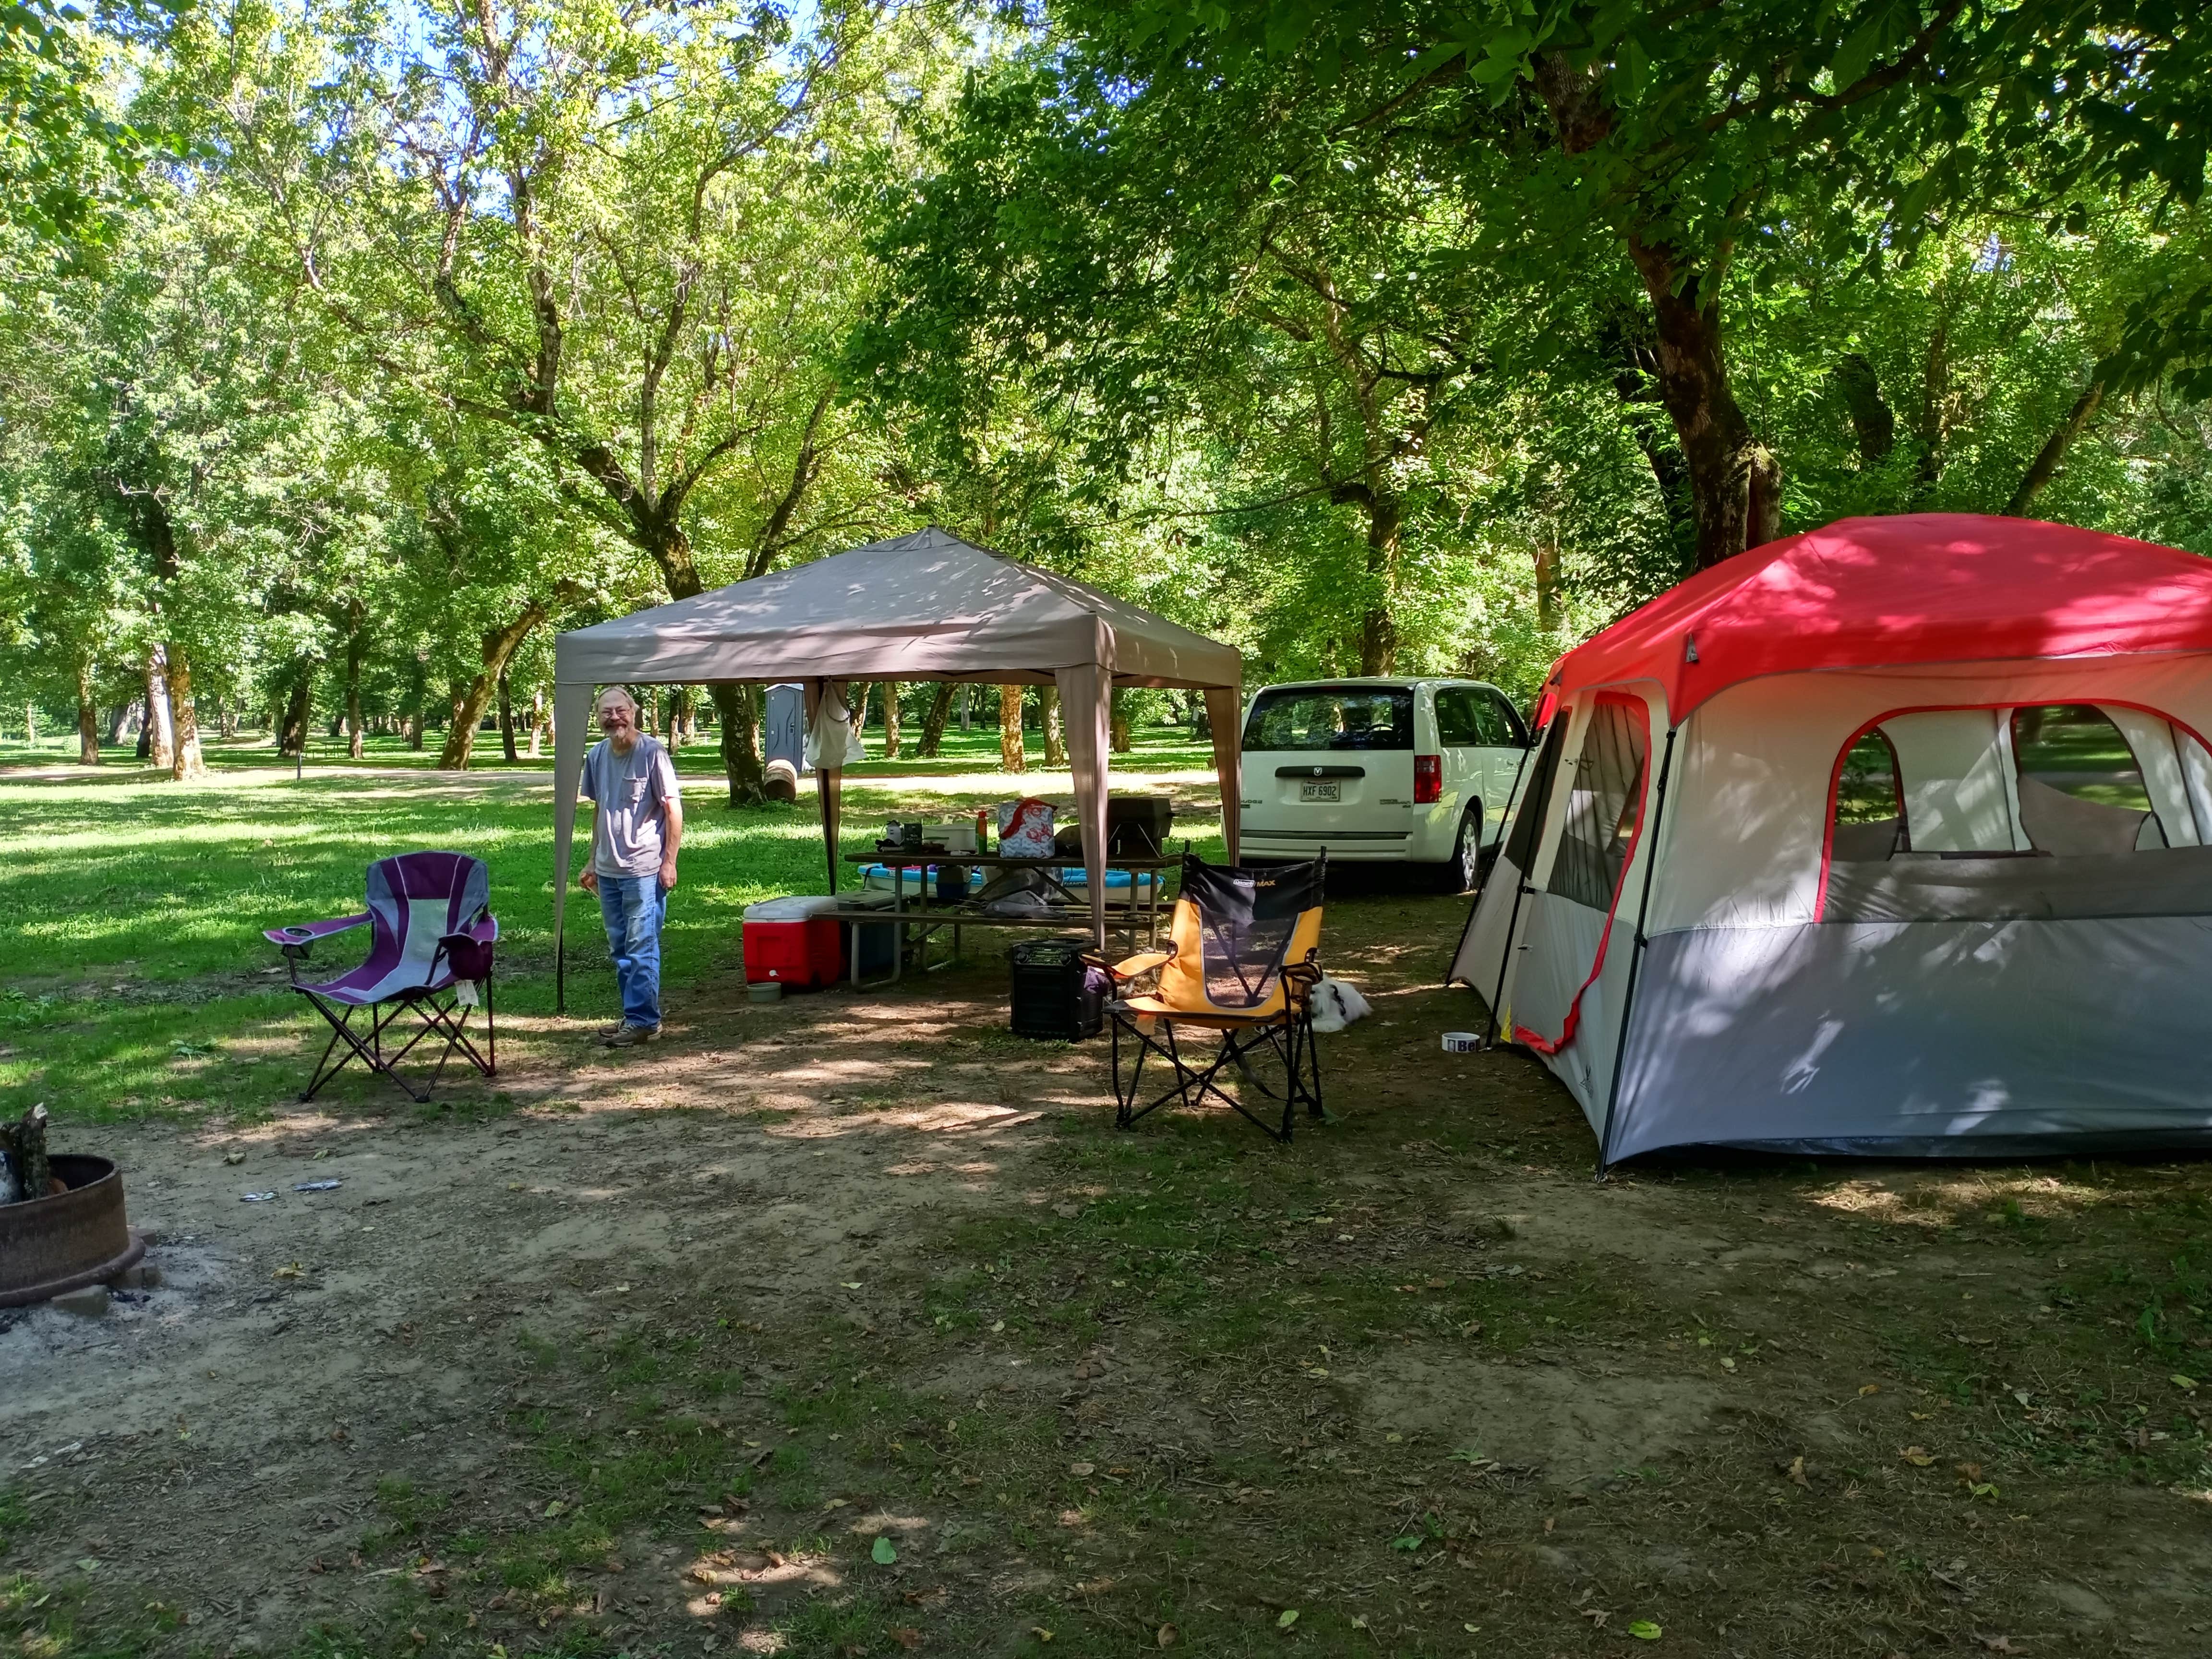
438 1018
1287 1035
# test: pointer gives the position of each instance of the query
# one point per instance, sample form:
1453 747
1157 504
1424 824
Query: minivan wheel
1460 871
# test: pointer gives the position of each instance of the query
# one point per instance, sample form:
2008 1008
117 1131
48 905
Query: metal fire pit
66 1241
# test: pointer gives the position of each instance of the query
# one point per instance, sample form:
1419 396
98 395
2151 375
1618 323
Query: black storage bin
1049 998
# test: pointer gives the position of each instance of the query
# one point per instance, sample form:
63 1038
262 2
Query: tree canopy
350 347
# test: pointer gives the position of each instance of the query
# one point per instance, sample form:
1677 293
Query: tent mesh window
2081 786
1536 799
1606 795
1870 802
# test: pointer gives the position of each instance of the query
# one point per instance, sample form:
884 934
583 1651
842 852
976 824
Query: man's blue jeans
633 908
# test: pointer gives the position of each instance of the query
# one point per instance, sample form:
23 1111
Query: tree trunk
158 748
890 719
1736 486
740 745
856 692
1547 582
184 717
1935 394
356 648
469 706
1379 629
1056 751
120 723
932 723
418 687
1013 758
1871 420
966 697
292 736
507 720
87 719
536 721
2041 470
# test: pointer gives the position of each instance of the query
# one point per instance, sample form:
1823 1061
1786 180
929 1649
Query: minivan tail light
1428 779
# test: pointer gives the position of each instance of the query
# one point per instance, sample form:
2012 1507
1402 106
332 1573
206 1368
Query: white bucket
1461 1043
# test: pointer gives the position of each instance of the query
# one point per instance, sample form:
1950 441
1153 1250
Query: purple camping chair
429 954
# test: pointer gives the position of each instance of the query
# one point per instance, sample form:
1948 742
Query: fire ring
68 1240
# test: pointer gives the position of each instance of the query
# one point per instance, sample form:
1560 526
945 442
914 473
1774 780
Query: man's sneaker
629 1037
606 1031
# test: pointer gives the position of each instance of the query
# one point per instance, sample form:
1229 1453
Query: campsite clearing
671 1350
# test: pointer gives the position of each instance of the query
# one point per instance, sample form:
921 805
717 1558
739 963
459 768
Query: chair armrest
1300 977
1130 967
297 941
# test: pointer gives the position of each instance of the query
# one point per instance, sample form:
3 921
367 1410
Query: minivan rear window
1331 717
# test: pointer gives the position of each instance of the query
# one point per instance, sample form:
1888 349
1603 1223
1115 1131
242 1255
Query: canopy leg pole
1635 962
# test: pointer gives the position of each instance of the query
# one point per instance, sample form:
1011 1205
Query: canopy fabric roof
927 607
1923 587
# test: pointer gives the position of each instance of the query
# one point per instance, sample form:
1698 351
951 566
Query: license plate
1316 790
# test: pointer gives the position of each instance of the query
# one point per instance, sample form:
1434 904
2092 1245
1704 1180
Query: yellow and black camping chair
1243 958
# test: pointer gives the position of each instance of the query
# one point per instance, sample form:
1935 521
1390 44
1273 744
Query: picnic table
1063 911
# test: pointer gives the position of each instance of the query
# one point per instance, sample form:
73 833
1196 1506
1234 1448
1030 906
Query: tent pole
1477 904
560 976
1635 959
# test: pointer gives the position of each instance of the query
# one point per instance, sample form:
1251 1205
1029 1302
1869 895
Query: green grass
131 960
1152 748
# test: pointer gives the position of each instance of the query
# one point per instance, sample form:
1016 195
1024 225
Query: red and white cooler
789 941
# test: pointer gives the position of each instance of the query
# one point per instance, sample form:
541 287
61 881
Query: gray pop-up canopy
927 607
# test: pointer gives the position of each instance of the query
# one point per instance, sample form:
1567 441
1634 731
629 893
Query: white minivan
1405 770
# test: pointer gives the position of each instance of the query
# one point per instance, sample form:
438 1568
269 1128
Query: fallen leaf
556 1507
1726 1363
1168 1636
1288 1618
289 1270
1472 1630
1644 1630
1040 1633
1917 1456
907 1637
850 1284
1078 1470
1797 1473
884 1552
1871 1388
1597 1616
1998 1645
234 1157
2181 1382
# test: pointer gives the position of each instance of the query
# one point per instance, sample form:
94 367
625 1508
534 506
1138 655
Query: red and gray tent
1891 837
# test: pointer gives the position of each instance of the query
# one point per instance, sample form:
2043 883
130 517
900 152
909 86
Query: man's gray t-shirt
628 790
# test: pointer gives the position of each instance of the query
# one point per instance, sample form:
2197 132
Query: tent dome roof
1920 588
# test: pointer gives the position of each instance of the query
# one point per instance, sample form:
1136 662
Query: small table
1067 910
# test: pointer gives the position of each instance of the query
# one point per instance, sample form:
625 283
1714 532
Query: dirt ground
850 1324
